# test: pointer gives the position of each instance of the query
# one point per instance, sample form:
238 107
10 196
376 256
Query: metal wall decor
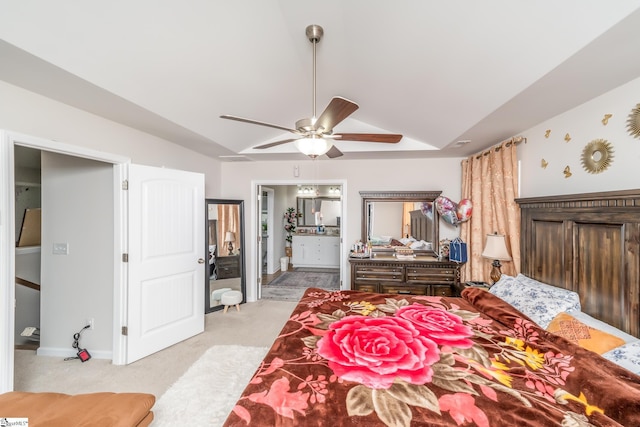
567 137
544 164
605 120
547 133
633 122
597 156
567 171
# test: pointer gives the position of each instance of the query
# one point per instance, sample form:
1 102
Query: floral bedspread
350 358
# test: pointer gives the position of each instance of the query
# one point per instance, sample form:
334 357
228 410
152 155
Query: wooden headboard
588 243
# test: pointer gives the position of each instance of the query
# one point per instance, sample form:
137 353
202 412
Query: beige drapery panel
407 207
490 181
228 220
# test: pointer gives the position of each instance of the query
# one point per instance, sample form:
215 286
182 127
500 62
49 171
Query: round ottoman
231 298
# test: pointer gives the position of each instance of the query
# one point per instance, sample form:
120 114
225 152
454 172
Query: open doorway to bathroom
312 246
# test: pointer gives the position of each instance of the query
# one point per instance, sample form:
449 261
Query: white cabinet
316 251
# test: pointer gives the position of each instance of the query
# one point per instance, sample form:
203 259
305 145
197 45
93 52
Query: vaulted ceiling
437 72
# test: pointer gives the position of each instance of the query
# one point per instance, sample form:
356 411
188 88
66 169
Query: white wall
77 286
31 114
583 124
360 175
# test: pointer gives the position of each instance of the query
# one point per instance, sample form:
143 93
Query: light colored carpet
207 392
257 324
290 286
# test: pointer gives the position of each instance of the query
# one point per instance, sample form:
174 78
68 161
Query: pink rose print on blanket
441 326
376 351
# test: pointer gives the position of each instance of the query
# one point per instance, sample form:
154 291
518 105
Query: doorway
286 195
103 193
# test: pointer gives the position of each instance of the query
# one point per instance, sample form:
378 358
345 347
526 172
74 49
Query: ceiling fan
315 135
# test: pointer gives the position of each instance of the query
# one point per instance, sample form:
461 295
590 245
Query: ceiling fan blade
334 152
389 138
273 144
338 109
255 122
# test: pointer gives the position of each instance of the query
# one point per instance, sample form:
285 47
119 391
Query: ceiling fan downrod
314 34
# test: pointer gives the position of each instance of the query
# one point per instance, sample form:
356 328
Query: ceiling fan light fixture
313 147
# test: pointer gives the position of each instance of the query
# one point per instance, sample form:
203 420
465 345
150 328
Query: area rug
208 391
290 286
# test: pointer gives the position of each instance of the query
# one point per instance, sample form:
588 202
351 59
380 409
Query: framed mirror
225 269
400 218
316 211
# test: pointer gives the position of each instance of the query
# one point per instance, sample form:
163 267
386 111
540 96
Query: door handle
200 261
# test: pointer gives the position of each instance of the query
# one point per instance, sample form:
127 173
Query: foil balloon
464 210
447 209
427 209
450 217
444 205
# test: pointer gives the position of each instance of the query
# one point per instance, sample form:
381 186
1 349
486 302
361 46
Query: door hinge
125 184
125 331
125 257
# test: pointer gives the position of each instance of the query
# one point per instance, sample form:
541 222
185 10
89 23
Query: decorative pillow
539 301
602 326
585 336
627 356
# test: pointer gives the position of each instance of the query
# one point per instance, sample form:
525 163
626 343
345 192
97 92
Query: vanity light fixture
495 248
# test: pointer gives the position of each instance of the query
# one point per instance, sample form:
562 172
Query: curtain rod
515 140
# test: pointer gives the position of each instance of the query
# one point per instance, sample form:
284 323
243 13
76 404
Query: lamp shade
229 236
313 147
496 248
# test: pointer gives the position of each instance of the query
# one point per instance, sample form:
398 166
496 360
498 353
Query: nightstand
228 266
472 284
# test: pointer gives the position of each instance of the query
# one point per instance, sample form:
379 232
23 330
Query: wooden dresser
228 266
424 275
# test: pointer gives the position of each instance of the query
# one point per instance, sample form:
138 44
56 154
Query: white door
165 259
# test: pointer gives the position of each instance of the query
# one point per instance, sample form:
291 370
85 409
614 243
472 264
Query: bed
352 358
518 354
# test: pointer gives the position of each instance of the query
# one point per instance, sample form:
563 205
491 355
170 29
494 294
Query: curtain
228 220
490 181
406 231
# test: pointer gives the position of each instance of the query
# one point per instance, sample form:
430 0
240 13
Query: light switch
61 249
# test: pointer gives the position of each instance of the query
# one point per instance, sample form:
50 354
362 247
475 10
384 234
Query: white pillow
539 301
627 356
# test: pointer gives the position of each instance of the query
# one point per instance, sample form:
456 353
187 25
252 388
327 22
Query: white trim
7 263
66 352
254 220
121 271
68 149
7 240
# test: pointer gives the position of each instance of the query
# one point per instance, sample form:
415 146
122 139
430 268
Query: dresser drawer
367 287
365 274
431 275
443 291
391 288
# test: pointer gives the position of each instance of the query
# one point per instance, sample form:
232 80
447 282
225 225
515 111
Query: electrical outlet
90 322
61 249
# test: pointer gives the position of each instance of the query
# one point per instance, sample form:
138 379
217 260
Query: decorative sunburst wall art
633 122
597 156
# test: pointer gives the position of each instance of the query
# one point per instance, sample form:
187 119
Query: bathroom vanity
316 250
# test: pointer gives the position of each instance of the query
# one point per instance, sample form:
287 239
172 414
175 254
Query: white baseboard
65 352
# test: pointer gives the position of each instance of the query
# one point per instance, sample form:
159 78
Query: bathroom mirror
316 211
225 269
392 217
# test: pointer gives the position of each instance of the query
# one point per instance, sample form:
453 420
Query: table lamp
229 238
495 248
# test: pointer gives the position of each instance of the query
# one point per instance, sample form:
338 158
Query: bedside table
480 285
